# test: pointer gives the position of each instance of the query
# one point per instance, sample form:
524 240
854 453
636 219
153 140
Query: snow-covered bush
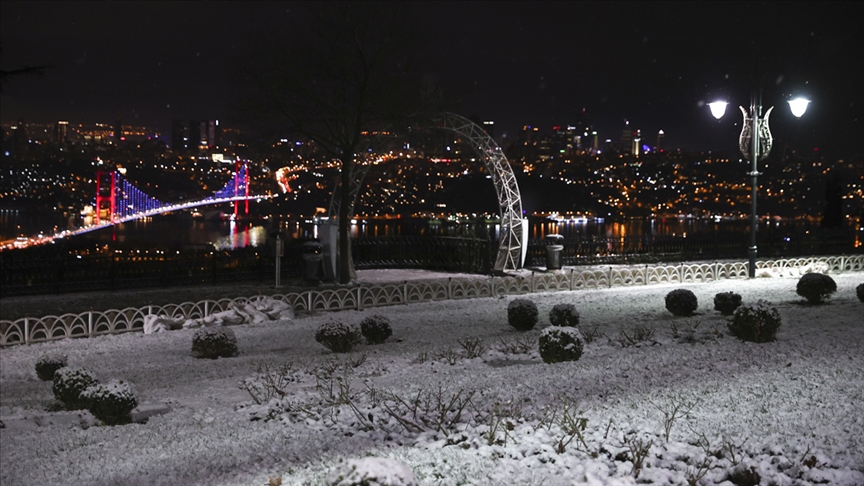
47 364
376 329
68 385
756 323
559 344
214 342
681 302
338 337
372 471
563 315
860 291
727 302
815 287
112 403
522 314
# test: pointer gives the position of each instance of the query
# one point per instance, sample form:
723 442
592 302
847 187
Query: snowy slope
790 410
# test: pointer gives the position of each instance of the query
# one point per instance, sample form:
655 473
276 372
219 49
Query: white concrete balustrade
28 330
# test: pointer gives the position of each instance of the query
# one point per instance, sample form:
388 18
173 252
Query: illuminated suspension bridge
118 201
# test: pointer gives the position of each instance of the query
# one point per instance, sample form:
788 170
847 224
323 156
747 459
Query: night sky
516 63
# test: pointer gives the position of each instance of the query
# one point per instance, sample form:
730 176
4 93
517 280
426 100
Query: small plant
756 323
681 302
112 403
686 332
859 290
501 419
639 333
69 384
522 314
518 345
449 356
440 411
673 409
639 450
270 382
591 333
473 347
573 426
559 344
338 337
376 329
815 287
564 315
47 364
214 342
727 302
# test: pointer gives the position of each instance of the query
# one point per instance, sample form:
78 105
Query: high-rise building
660 135
20 139
179 136
118 132
214 134
61 132
489 127
627 138
194 135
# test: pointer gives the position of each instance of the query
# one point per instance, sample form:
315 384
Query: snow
789 410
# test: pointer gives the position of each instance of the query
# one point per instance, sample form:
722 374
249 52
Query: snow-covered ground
791 411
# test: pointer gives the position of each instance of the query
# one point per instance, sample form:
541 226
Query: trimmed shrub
338 337
376 329
522 314
757 323
681 302
815 287
372 471
69 384
214 342
727 302
860 291
47 364
559 344
564 315
112 403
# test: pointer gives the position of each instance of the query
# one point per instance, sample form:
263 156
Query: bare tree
344 74
6 76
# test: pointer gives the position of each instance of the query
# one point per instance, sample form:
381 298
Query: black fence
62 273
653 249
50 271
469 255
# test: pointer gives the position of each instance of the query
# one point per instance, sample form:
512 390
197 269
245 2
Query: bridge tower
106 202
241 190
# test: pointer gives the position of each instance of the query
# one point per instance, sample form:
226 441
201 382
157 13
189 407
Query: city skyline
654 65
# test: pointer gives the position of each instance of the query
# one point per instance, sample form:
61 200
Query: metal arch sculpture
513 246
511 251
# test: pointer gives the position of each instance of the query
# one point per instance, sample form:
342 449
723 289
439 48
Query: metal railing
28 330
51 272
593 250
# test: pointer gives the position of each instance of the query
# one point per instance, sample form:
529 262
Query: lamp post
755 143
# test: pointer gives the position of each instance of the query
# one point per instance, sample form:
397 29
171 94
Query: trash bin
312 261
554 247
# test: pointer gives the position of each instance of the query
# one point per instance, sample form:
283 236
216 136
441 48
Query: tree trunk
344 207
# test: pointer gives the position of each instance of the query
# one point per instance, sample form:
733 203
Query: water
183 231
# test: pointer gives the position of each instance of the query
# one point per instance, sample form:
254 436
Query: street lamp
755 143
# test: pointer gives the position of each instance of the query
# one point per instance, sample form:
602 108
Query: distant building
61 132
